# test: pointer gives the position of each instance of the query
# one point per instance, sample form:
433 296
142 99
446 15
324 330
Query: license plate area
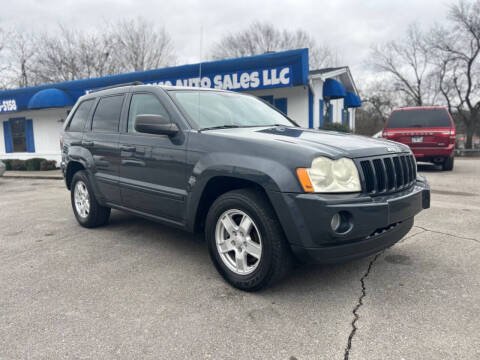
417 139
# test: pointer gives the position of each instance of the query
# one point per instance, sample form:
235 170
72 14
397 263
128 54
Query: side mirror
155 124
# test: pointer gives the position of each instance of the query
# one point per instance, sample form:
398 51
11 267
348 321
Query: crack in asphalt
447 234
411 236
367 273
357 307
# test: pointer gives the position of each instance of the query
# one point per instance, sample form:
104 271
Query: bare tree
378 101
407 61
140 45
96 55
457 50
21 51
3 59
260 38
69 54
57 58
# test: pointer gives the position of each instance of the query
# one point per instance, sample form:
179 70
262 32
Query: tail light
453 134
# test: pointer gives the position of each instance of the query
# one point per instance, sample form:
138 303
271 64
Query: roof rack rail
115 86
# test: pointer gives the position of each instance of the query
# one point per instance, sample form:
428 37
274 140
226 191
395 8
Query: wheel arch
216 186
72 167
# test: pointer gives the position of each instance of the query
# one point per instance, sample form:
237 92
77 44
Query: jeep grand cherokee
262 189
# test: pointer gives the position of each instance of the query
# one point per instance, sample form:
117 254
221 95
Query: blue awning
333 89
352 100
49 98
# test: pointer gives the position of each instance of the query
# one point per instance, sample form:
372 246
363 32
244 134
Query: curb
42 177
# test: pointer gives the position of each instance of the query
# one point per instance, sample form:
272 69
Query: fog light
335 223
342 222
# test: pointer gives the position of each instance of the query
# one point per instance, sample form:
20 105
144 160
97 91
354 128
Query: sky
348 27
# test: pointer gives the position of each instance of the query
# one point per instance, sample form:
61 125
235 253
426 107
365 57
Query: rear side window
421 118
142 104
107 114
80 117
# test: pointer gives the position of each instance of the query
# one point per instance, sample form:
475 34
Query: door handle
127 148
88 143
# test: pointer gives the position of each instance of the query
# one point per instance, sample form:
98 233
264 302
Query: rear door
102 142
152 168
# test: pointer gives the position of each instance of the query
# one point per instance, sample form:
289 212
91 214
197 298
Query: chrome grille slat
387 174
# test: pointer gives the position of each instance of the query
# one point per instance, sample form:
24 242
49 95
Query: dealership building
31 118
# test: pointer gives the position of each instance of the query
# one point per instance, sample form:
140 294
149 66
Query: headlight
326 175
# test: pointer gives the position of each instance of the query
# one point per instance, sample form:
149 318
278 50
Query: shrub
8 164
48 165
33 164
336 127
17 165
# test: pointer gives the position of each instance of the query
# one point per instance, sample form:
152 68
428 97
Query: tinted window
19 140
107 114
144 104
419 119
80 117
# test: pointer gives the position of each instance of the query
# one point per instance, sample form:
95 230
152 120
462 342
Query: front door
152 168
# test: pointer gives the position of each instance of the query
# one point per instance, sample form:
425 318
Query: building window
19 138
18 135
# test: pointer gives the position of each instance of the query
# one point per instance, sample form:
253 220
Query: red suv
428 130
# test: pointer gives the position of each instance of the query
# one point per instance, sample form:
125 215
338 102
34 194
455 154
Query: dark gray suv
263 190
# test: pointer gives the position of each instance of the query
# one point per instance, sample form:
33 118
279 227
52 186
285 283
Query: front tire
246 241
88 212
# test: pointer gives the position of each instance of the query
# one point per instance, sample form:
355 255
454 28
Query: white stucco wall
47 125
297 101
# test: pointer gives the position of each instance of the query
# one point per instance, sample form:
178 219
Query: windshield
209 109
421 118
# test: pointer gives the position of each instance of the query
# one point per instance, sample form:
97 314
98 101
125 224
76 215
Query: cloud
349 27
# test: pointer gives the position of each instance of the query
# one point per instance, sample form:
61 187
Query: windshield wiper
220 127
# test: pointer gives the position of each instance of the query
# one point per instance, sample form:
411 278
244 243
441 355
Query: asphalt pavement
139 290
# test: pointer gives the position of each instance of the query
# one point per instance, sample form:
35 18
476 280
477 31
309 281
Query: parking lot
140 290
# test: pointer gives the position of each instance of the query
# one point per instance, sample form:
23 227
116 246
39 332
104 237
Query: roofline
423 107
342 70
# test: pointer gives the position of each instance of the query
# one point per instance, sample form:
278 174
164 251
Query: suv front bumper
374 223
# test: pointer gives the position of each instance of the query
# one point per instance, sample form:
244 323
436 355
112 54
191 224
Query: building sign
275 70
240 80
8 105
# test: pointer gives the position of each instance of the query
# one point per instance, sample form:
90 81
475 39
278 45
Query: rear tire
88 212
271 259
448 164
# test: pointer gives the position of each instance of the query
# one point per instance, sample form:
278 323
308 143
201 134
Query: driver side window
142 104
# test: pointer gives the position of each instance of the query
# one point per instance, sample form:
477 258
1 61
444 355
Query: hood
330 143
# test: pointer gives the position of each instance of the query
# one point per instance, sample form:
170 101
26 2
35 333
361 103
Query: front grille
388 174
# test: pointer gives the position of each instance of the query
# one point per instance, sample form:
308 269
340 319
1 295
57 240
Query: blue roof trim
295 60
333 89
49 98
352 100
